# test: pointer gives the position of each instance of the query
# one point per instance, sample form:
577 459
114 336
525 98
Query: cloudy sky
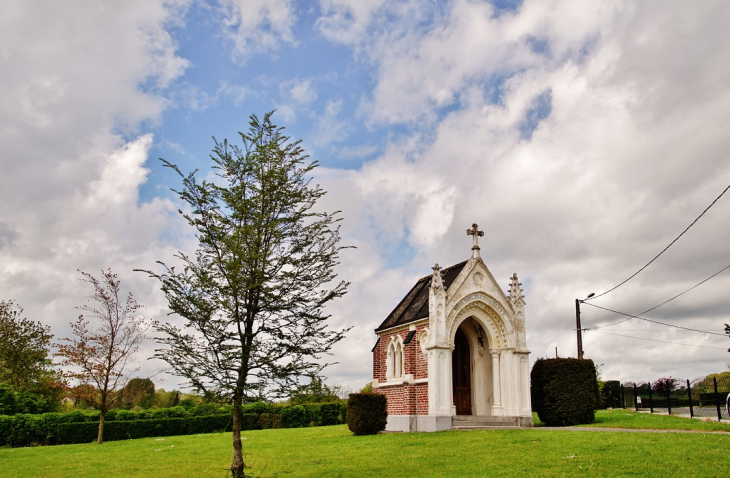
582 137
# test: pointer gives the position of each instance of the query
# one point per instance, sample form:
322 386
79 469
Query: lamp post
579 331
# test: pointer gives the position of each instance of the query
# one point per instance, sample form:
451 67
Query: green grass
629 419
334 451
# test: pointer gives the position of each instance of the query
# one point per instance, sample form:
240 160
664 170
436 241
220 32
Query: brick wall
405 399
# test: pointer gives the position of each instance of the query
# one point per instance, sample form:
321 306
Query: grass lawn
630 419
334 451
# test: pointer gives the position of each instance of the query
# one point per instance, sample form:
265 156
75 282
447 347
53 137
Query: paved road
630 430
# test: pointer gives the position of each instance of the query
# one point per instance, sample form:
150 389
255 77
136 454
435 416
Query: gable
414 305
477 278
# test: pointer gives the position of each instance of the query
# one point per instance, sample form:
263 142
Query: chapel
453 353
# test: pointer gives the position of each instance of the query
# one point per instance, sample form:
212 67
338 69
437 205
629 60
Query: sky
583 138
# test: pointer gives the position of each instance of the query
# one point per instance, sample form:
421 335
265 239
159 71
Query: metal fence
707 396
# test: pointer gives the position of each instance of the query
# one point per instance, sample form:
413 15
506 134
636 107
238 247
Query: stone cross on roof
474 231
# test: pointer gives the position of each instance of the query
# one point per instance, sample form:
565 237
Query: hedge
564 391
124 430
30 430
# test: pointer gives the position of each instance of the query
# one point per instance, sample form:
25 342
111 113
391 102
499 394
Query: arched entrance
461 373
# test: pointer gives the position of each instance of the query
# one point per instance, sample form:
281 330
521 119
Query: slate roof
414 305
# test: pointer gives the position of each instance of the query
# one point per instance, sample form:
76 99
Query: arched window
394 363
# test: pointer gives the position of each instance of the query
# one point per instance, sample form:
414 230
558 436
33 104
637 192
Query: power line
665 249
662 341
652 321
657 306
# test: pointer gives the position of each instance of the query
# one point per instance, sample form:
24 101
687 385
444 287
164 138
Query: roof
414 305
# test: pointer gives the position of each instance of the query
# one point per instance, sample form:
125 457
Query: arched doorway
461 373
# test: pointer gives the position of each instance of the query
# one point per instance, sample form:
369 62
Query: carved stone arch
471 336
499 333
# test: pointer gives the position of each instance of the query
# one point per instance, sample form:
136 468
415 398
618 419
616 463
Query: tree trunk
100 437
238 465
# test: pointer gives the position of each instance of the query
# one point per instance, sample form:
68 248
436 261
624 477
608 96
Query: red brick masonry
405 398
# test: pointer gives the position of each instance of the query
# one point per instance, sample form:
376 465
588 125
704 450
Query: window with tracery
394 366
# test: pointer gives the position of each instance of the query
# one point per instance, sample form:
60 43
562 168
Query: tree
316 391
139 392
253 296
25 363
101 356
664 386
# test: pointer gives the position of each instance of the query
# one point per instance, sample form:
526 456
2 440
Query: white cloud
330 128
634 148
257 26
79 81
346 21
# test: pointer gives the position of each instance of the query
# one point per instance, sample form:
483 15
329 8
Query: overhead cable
662 341
657 306
650 320
663 250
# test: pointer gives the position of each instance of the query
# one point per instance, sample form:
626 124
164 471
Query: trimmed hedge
367 413
32 430
564 391
332 414
294 417
125 430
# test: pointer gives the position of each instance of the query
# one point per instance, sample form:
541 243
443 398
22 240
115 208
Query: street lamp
579 331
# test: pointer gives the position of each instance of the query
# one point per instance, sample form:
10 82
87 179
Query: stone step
469 421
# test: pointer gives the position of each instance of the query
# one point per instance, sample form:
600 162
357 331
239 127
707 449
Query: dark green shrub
294 417
6 424
367 413
268 420
564 391
332 413
203 409
86 432
261 407
25 430
172 412
610 394
314 417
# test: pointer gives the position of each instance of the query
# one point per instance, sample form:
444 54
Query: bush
261 407
564 391
268 420
610 394
294 417
26 430
332 413
87 432
367 413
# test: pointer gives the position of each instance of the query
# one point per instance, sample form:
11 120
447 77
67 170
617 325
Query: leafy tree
101 356
139 392
165 399
727 332
315 392
665 385
254 293
25 365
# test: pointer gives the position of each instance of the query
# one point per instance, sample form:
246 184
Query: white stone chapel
453 353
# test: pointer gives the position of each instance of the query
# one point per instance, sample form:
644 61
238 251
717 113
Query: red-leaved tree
101 354
665 385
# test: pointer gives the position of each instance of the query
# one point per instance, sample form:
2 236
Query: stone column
496 378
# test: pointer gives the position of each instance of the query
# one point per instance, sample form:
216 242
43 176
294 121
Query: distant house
453 353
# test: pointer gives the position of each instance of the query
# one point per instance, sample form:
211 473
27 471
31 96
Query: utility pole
578 329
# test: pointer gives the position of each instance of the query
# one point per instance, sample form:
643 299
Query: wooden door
461 374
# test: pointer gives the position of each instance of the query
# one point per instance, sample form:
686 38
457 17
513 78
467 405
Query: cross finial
476 233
